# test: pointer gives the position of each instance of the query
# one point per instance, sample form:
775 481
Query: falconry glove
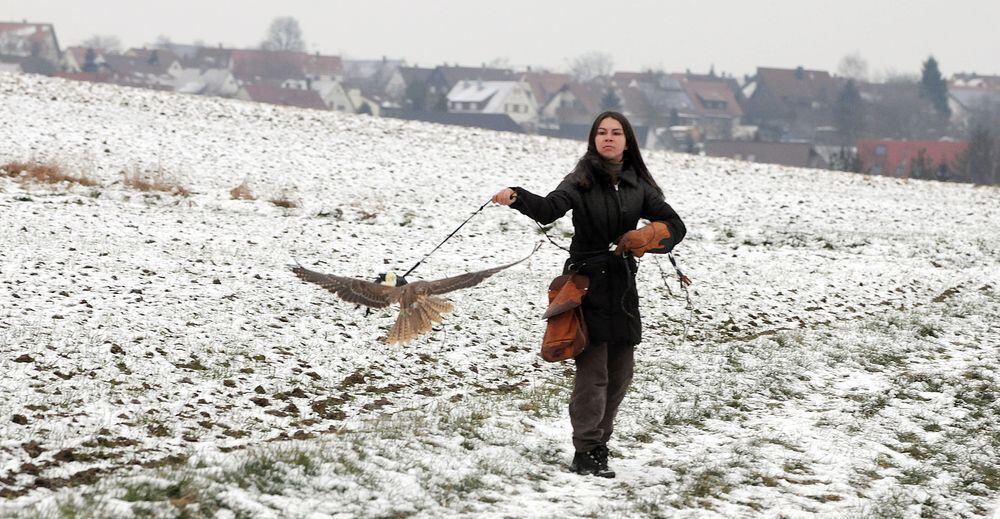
653 237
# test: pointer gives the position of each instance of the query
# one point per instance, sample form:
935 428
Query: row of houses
778 115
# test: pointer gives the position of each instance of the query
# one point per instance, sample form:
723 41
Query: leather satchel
566 331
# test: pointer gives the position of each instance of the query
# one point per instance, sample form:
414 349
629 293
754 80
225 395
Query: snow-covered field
159 359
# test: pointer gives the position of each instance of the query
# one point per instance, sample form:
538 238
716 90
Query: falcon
419 308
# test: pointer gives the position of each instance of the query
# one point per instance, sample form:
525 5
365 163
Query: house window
751 157
738 156
877 169
880 150
900 168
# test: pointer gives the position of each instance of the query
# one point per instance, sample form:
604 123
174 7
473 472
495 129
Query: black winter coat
601 215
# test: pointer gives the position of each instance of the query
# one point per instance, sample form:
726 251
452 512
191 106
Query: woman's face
610 139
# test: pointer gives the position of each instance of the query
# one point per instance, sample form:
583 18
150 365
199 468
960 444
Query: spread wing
356 291
442 286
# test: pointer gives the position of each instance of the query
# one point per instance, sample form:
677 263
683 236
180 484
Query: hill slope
160 359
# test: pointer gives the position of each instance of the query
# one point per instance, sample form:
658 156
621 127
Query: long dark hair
592 166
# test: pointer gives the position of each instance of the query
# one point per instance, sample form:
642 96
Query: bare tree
853 66
106 43
163 42
591 65
501 63
284 34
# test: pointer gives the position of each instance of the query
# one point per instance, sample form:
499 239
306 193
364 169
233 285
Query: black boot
594 463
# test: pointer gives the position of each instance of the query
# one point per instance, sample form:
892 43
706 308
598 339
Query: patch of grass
160 491
284 199
883 461
882 358
915 447
699 486
915 476
787 339
870 403
888 506
544 399
784 443
797 467
929 330
931 383
242 192
984 474
156 180
43 172
271 471
759 479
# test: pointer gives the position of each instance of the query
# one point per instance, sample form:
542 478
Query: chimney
800 73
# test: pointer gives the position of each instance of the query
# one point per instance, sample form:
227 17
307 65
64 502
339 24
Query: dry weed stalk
43 172
242 192
284 200
157 180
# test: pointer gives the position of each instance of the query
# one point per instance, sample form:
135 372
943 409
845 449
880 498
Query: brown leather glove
649 238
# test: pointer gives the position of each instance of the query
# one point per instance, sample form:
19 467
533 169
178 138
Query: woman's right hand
505 196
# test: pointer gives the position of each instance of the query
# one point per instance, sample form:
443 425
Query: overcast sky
735 36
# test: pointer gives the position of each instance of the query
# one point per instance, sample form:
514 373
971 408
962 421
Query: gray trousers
603 375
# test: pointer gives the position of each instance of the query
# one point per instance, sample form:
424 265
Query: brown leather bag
566 332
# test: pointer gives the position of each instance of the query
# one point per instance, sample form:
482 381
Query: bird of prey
419 308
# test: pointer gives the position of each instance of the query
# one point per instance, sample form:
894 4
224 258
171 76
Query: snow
840 358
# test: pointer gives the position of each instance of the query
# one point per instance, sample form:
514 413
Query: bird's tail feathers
419 319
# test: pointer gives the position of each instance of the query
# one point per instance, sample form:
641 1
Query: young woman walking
609 191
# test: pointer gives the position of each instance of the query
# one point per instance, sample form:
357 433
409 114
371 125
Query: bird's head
390 279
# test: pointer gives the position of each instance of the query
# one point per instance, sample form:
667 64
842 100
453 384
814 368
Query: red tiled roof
128 65
799 83
545 84
415 74
702 91
893 158
251 63
42 34
624 78
452 75
263 93
165 56
42 30
588 95
316 64
634 103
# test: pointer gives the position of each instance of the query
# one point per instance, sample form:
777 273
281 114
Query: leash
414 267
684 282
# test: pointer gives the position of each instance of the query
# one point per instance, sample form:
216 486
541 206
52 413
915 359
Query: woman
609 191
